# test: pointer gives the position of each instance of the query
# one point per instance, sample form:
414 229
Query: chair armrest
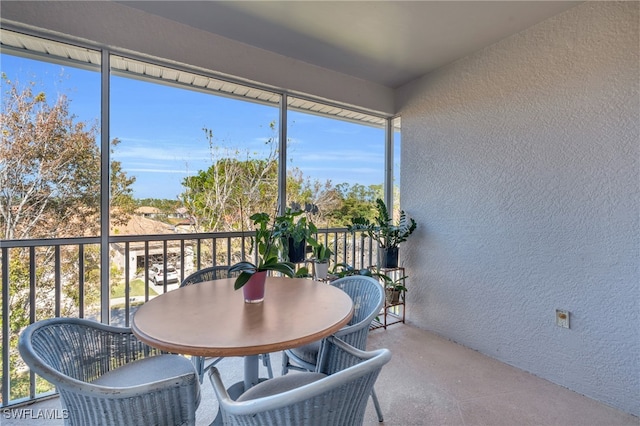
374 360
356 334
219 387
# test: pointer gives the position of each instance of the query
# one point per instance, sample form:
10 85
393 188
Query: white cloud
159 152
342 131
142 170
353 156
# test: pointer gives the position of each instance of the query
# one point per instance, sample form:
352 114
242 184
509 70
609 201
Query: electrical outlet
562 318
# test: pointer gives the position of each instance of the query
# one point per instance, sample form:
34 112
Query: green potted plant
252 276
321 256
341 270
296 231
393 287
387 234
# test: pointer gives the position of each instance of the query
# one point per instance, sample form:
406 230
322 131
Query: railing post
105 167
81 280
5 324
127 289
282 155
388 163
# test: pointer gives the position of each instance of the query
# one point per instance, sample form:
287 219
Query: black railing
61 277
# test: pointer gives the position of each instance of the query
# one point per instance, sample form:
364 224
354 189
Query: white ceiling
386 42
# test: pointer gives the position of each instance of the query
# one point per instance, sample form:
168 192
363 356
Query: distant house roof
140 225
148 210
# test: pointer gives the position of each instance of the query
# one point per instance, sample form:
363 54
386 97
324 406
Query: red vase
253 290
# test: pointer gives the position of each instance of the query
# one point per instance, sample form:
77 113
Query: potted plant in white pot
387 234
252 276
321 256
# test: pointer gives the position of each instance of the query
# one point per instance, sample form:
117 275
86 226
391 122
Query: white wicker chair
106 376
368 299
335 394
210 274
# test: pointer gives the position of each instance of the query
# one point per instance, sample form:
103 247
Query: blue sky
162 140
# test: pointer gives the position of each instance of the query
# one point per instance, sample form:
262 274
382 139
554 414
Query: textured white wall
520 164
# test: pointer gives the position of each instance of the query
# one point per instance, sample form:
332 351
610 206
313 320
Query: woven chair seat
307 353
147 370
279 385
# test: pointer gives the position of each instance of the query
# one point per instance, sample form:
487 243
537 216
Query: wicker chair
368 298
210 274
335 394
106 376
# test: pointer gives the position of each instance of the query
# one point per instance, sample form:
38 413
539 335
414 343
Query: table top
212 319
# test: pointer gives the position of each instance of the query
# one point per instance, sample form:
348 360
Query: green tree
232 188
357 201
121 202
238 184
50 169
47 167
303 191
50 188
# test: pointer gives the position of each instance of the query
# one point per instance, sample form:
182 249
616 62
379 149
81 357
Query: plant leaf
242 280
242 267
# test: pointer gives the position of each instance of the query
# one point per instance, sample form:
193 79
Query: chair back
337 399
72 353
208 274
59 349
367 295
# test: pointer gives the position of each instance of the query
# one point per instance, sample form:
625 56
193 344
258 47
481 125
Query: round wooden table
211 319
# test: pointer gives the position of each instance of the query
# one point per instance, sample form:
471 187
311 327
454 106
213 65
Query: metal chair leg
376 404
266 361
198 364
285 363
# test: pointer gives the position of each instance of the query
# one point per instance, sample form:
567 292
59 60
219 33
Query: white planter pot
321 270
